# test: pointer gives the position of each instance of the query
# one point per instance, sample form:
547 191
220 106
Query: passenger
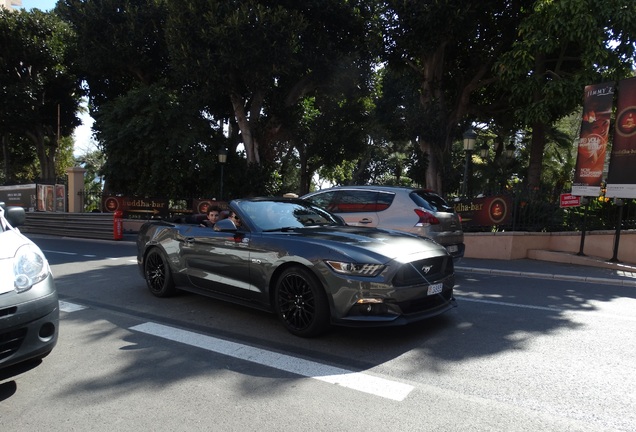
234 218
212 217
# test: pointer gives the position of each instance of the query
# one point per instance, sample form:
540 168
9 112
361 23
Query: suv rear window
431 201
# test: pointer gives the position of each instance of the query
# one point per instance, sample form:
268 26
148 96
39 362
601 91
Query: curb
569 278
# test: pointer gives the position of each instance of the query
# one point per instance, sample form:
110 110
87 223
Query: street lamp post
510 150
222 159
470 137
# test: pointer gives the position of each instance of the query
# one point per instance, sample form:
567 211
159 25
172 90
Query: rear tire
157 274
301 303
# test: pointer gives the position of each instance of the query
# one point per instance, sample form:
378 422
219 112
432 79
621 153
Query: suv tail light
425 218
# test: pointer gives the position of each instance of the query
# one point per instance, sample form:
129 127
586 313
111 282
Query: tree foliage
552 59
358 90
40 94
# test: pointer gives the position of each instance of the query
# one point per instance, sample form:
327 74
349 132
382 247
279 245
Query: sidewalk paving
558 266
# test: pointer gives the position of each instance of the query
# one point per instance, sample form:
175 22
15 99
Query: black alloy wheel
157 274
301 303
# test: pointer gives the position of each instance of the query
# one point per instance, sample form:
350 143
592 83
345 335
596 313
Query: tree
267 57
157 144
146 123
553 59
451 47
93 162
40 95
510 64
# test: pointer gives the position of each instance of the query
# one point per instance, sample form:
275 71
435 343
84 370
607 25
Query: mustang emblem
427 268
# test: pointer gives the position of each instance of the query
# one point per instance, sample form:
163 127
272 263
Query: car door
218 261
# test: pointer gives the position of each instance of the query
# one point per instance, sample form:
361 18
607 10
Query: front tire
301 303
157 274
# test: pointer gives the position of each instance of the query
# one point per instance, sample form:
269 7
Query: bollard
118 225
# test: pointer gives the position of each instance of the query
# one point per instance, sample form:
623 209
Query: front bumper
29 323
393 312
406 292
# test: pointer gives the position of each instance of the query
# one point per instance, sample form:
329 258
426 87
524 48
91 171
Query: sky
44 5
82 135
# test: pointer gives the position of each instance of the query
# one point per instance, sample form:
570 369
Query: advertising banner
153 208
60 198
592 146
621 179
136 208
19 195
46 198
486 211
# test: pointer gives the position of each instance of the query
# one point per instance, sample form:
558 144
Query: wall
517 245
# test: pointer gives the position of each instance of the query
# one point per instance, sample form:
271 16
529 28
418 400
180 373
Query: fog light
370 301
47 331
371 306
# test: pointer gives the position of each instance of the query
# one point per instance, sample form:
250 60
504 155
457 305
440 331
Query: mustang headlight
355 269
29 268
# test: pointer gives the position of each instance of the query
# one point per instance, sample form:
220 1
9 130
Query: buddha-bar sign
595 125
485 211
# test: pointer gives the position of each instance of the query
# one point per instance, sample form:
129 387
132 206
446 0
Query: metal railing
84 225
532 211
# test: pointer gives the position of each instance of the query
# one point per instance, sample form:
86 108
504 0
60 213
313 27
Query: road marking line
46 252
333 375
500 303
58 252
70 307
551 309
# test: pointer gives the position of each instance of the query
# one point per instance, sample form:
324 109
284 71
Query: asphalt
557 266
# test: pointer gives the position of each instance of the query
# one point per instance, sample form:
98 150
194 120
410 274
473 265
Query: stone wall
517 245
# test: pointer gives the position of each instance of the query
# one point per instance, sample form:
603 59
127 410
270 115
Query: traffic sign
569 200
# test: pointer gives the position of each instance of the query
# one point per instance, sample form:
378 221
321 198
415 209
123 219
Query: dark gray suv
417 211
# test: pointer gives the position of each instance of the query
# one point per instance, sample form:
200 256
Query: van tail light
425 218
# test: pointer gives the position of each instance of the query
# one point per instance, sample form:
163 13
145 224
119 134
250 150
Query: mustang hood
388 243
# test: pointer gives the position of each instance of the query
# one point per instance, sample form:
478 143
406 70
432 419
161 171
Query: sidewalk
555 265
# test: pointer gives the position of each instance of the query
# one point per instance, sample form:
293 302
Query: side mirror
14 215
225 225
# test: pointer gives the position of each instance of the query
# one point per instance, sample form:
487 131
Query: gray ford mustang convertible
302 263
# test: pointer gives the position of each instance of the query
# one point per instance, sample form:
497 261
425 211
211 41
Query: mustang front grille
424 272
426 303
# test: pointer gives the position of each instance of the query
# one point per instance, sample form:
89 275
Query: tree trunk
433 175
5 156
251 146
46 155
537 147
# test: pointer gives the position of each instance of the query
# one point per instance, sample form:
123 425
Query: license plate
453 248
435 289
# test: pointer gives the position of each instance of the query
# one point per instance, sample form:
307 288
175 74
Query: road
518 354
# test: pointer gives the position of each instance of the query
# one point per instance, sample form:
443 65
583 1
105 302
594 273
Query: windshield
274 215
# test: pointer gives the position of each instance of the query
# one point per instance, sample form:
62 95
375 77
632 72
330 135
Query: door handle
366 221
